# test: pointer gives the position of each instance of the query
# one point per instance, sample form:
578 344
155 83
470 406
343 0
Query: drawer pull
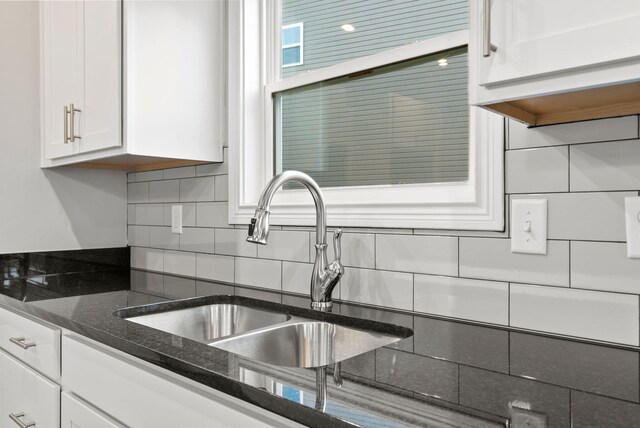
21 342
15 417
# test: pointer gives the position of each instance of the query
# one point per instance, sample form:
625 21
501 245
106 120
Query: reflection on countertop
447 374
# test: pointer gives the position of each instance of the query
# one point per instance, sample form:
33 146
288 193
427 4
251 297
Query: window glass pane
377 26
398 124
291 55
290 35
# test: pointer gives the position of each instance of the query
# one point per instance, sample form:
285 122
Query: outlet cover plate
529 226
176 218
632 215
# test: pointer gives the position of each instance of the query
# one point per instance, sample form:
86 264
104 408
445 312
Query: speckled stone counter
447 374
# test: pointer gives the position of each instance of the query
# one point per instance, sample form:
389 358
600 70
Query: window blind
399 124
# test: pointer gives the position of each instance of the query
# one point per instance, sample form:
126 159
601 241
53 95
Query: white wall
53 209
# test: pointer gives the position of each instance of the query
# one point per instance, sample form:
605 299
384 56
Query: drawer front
78 414
138 397
31 342
26 395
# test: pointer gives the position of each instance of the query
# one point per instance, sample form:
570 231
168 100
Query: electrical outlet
632 214
529 226
176 218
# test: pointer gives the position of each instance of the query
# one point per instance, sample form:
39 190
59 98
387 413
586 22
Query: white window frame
300 44
254 33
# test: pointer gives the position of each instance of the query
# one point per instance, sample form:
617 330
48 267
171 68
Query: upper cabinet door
60 73
544 37
99 100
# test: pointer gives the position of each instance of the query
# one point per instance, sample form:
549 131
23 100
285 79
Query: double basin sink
271 333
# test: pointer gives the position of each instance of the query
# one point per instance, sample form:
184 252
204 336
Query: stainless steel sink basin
304 343
274 334
210 322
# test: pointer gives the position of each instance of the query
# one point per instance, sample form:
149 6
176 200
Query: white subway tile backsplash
131 177
199 189
604 266
138 236
188 214
218 268
179 288
149 214
233 242
377 287
213 214
537 170
358 249
131 214
285 245
259 273
180 263
164 191
183 172
610 317
485 301
618 128
492 259
137 193
606 166
162 237
149 175
585 216
221 188
147 282
436 255
296 278
199 240
147 258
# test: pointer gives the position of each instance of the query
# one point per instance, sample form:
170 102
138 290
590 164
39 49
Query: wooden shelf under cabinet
134 163
585 104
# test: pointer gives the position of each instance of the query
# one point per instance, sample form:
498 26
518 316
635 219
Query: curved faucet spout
324 276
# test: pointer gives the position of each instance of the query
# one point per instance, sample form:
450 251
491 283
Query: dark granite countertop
447 374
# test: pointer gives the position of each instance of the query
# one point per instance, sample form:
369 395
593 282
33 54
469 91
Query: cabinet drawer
78 414
26 395
138 396
31 342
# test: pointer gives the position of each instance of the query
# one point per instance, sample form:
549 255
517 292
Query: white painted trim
474 205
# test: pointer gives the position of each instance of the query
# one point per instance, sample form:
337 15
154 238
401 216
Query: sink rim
292 311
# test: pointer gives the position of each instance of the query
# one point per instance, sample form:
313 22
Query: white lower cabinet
77 414
26 397
141 395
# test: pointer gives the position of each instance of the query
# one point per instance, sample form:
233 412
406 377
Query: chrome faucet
325 276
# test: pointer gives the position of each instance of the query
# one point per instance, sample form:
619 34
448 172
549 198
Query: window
378 114
292 45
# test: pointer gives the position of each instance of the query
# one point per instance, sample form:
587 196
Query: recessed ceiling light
348 28
443 62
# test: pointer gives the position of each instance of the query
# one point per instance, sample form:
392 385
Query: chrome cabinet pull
15 417
72 112
21 342
487 46
66 125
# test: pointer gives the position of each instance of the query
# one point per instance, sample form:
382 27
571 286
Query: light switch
529 226
632 214
176 218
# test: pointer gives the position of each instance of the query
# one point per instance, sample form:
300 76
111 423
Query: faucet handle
337 244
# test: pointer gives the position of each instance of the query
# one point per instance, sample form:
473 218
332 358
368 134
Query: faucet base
322 306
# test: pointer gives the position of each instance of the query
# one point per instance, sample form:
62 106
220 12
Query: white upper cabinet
556 61
133 85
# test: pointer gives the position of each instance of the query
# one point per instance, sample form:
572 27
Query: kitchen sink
210 322
271 333
305 343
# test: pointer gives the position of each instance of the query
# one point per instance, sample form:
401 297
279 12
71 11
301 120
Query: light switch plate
176 218
529 226
632 214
